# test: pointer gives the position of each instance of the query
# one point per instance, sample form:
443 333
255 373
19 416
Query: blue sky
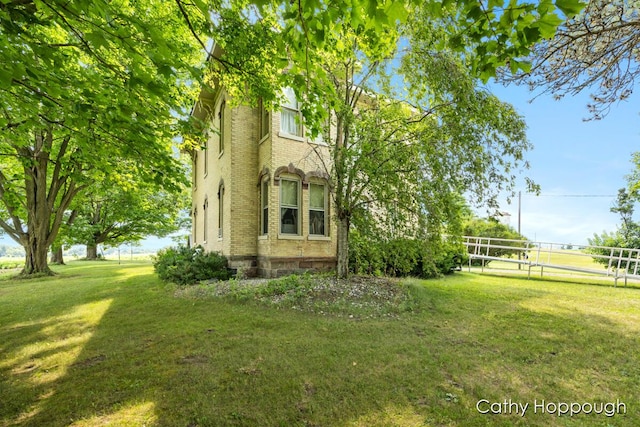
572 158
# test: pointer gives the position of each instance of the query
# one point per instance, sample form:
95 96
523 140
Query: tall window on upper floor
194 172
265 122
323 136
220 210
264 207
291 117
205 154
318 204
221 122
289 206
195 225
205 219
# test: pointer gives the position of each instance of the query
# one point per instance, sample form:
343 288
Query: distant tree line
11 251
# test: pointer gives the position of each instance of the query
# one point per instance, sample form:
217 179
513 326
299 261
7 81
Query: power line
572 195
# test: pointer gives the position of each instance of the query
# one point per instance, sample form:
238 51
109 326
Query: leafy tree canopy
122 209
595 50
86 85
405 148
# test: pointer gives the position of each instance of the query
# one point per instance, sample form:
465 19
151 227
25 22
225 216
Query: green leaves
6 77
548 25
99 84
570 8
496 33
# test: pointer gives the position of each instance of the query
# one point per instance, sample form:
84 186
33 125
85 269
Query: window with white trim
206 156
205 219
221 121
323 136
318 210
290 116
289 206
265 123
220 210
195 225
194 173
264 207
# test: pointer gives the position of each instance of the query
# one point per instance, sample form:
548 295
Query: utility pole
519 233
519 209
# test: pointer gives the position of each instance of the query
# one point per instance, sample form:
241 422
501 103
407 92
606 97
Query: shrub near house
402 257
187 266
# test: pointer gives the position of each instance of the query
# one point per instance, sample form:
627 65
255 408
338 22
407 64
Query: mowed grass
107 344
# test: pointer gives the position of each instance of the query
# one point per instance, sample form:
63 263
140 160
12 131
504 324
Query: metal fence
618 263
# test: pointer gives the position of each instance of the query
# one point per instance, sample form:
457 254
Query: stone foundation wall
282 266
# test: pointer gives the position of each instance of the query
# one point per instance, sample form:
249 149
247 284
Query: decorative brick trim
287 169
264 172
317 174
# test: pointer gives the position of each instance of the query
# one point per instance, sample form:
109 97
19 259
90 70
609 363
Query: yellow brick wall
207 185
244 214
298 152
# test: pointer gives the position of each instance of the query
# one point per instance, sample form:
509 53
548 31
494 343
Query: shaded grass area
103 344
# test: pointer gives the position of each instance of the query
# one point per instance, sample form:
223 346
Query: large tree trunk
36 257
47 196
343 247
92 251
57 256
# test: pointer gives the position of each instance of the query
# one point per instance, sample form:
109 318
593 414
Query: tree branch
185 15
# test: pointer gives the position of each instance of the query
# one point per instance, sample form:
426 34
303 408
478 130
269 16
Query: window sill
289 237
263 237
320 238
221 154
292 137
264 138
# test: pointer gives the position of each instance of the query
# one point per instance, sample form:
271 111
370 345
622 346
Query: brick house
260 195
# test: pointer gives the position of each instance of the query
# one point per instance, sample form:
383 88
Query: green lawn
107 344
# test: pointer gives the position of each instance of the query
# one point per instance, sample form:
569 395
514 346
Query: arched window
195 225
205 153
221 122
220 210
205 226
264 206
194 173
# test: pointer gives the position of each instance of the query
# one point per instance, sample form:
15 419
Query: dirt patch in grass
355 297
91 361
